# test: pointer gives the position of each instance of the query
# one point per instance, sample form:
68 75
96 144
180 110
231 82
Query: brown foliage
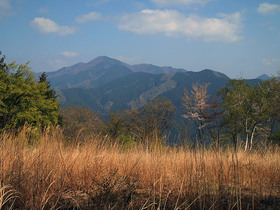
80 122
144 124
205 113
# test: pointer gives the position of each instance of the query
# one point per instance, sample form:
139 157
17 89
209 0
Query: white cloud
88 17
270 62
69 54
267 8
47 26
225 28
179 2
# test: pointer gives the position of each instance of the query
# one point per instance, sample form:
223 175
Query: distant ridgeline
105 84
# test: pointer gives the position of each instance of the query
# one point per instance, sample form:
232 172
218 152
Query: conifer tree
50 93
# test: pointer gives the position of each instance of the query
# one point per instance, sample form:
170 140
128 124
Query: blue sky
239 38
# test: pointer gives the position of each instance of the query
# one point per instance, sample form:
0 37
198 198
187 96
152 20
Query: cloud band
47 26
172 23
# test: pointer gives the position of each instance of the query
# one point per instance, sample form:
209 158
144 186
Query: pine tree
50 93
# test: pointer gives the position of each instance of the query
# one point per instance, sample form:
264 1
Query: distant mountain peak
104 69
264 77
104 59
216 73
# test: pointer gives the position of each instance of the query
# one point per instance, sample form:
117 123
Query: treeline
146 125
240 114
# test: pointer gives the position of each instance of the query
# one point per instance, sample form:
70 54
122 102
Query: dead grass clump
98 174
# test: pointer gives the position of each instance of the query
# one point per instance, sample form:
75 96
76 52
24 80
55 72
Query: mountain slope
149 68
136 89
114 95
215 80
264 77
87 75
100 71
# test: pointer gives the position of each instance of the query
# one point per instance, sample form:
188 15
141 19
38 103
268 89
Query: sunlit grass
51 173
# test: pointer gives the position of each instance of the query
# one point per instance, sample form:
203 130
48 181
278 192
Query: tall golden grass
45 172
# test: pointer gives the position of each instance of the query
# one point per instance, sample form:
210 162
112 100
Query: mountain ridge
105 84
136 89
105 69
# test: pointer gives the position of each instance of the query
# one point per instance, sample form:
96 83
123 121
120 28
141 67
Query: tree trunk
252 137
247 135
247 140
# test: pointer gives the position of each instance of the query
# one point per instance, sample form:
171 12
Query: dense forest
73 157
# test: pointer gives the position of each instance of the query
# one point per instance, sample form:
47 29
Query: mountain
264 77
105 84
87 75
119 94
98 72
138 88
149 68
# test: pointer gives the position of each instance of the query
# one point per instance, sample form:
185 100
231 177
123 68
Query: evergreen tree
50 93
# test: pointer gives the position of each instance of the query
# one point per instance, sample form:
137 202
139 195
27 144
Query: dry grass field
97 174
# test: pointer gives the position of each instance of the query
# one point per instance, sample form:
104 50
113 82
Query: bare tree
195 105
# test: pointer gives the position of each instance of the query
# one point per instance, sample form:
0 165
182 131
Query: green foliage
235 97
251 110
126 141
50 93
22 100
